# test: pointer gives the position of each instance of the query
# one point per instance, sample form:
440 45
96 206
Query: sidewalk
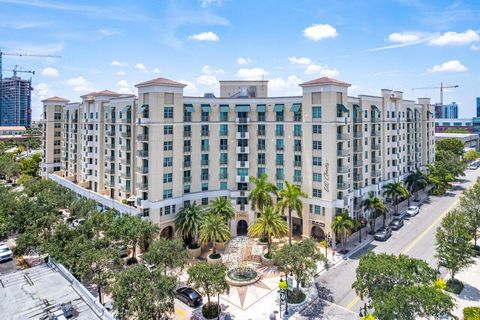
470 295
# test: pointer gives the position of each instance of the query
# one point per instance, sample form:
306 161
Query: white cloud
21 25
318 32
190 89
251 74
50 72
80 84
206 3
156 70
42 91
120 73
107 33
204 36
300 60
404 37
140 66
124 87
117 63
456 38
285 87
449 66
207 80
322 71
211 70
475 47
244 61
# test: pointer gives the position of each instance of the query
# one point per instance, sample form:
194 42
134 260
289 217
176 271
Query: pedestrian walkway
470 295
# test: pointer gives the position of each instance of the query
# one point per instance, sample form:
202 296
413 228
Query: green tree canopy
188 222
471 155
343 225
290 199
223 207
470 204
453 145
271 224
261 194
167 255
208 278
214 229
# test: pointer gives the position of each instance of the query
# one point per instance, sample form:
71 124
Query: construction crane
15 70
441 89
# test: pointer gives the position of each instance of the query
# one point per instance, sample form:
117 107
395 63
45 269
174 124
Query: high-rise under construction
15 102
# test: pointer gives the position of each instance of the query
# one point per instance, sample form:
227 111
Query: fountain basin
242 276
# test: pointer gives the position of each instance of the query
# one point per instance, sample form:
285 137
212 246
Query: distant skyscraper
450 111
438 111
15 105
478 106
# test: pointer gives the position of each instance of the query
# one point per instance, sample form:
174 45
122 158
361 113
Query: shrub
471 313
268 255
454 286
295 296
131 261
214 256
210 310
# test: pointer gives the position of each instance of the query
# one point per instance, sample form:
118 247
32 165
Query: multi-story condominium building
15 102
157 152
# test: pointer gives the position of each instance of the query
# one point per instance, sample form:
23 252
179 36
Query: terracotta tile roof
101 93
55 99
324 80
161 82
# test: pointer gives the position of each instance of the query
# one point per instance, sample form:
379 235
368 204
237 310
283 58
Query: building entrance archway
242 228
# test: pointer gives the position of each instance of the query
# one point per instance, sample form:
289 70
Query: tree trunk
384 218
214 247
290 224
360 234
134 250
100 297
269 244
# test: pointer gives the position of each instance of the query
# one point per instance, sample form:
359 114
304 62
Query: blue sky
371 44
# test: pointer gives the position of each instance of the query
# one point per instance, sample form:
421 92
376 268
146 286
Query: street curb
358 248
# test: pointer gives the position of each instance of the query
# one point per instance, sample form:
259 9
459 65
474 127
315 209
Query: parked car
78 222
189 296
412 211
5 252
396 224
383 234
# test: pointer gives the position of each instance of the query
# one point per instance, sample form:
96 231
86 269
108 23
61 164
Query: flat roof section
37 292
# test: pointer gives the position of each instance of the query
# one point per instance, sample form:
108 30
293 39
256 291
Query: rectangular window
167 193
168 129
223 185
279 160
224 116
316 112
167 161
317 193
317 128
317 177
317 145
205 188
280 145
187 131
297 130
204 159
205 116
223 173
260 171
279 116
261 116
205 145
261 158
297 176
204 130
279 174
297 116
204 174
317 161
168 112
223 158
204 201
168 145
224 129
167 177
297 145
279 130
261 144
261 130
223 144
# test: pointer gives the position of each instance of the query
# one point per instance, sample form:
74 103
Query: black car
189 296
396 224
383 234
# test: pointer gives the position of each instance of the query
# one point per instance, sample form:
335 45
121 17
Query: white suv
5 252
412 211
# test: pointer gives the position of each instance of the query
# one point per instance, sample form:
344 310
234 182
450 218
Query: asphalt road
416 239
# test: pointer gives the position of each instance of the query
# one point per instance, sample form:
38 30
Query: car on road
383 234
189 296
396 224
412 211
5 252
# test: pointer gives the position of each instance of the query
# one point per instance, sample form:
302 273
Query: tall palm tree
290 199
261 194
394 190
188 222
343 225
270 224
376 207
223 207
416 181
214 229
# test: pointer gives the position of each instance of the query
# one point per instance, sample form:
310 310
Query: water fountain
239 262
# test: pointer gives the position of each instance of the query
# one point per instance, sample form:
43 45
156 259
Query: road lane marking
411 244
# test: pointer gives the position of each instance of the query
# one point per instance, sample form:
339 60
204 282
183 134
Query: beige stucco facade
162 150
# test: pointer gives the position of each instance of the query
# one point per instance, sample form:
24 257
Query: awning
296 107
278 107
357 107
342 108
143 108
375 109
206 108
126 108
242 108
261 107
189 108
224 108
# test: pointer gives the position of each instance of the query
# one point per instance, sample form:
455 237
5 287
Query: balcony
357 148
187 148
187 179
243 150
376 173
260 132
239 179
375 133
357 177
110 158
343 136
239 194
187 164
242 135
204 163
91 155
376 146
357 163
142 170
342 186
297 163
342 120
110 171
242 164
342 169
142 153
242 120
187 134
91 144
357 120
110 133
126 148
142 137
126 134
357 134
279 133
125 161
376 160
142 186
143 121
110 145
343 153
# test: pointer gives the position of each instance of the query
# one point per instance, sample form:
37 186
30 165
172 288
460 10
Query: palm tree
188 222
290 199
343 225
376 208
394 190
415 182
261 195
223 207
270 224
214 229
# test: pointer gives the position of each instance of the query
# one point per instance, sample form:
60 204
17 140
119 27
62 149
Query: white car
412 211
5 252
78 222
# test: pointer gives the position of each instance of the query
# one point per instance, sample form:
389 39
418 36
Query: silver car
5 252
412 211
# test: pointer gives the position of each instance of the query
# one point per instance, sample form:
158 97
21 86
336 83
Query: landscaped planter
299 302
195 252
262 243
214 260
221 245
266 261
